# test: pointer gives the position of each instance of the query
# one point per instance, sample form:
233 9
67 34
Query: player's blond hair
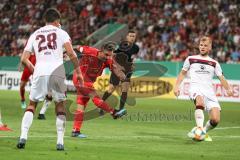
206 38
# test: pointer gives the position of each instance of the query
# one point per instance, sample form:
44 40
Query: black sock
106 95
213 123
123 100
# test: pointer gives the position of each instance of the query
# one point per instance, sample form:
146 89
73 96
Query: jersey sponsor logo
202 70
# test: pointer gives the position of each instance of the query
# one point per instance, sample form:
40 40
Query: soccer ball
197 133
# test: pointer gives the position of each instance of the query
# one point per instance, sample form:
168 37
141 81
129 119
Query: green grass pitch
153 129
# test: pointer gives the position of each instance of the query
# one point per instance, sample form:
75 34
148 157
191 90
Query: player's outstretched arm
225 84
73 57
179 80
25 60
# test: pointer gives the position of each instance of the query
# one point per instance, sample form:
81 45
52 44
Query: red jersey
90 65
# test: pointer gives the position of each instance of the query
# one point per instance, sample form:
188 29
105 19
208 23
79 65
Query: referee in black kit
124 56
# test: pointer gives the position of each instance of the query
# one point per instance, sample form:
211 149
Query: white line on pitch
236 127
226 136
120 137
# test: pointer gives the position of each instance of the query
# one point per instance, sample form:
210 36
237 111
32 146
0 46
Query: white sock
45 106
60 124
208 126
26 124
199 117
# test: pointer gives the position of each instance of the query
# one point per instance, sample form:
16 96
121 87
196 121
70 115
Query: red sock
78 120
22 93
101 104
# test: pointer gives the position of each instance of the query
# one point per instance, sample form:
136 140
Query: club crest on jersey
202 67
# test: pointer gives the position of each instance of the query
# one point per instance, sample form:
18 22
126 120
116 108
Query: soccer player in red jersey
92 63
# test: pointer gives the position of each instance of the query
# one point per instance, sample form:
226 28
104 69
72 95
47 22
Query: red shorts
85 92
26 74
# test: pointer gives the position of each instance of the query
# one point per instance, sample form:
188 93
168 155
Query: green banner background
231 71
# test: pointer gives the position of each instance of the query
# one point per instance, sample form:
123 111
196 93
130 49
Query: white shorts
43 85
209 97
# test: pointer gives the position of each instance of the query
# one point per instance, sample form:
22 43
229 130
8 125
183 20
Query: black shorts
114 80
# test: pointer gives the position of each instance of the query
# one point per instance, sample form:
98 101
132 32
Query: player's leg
26 123
108 93
199 115
79 116
38 91
44 108
100 103
22 93
104 106
214 119
60 123
24 79
125 86
81 100
57 88
214 109
78 122
113 82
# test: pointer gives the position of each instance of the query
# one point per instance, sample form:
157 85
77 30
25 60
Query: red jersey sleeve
86 50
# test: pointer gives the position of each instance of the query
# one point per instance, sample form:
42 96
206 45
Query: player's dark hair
51 15
109 46
131 31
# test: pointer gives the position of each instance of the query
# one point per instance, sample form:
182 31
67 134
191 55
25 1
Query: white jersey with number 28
47 44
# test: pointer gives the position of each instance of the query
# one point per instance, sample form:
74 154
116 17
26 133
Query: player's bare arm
117 65
21 65
179 80
73 57
226 85
118 70
25 60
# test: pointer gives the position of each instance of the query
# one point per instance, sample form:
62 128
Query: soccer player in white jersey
201 70
48 43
